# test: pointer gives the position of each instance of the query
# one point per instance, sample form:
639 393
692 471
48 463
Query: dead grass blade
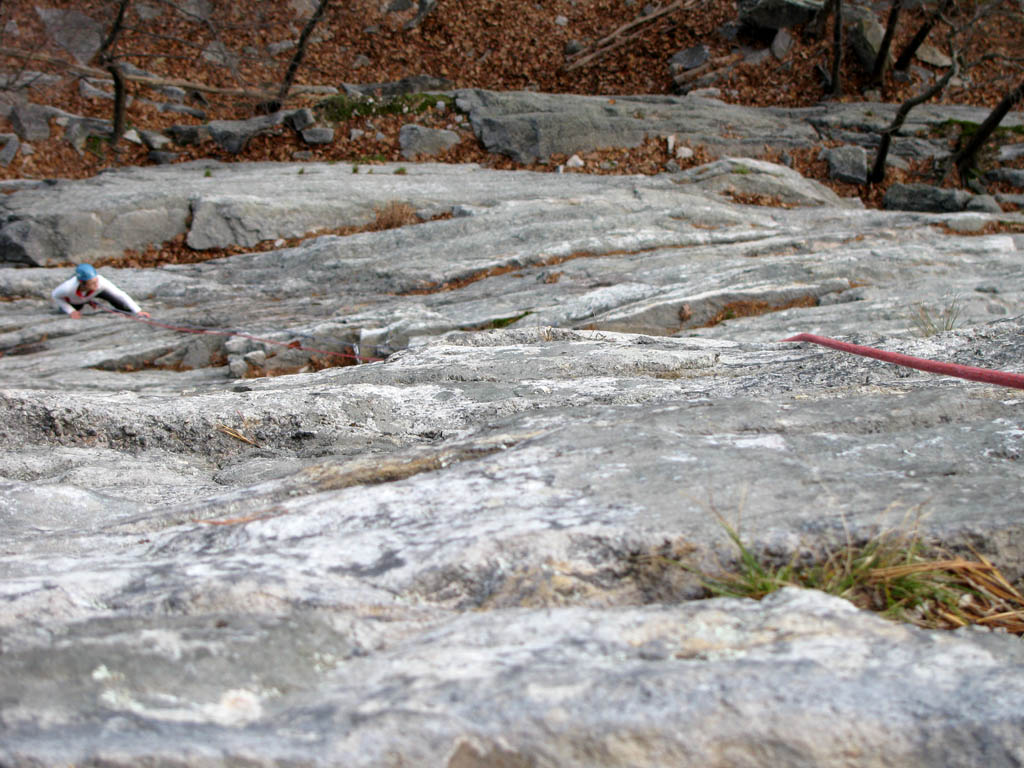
893 573
236 520
236 434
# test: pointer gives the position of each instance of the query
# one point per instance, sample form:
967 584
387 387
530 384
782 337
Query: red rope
230 332
969 372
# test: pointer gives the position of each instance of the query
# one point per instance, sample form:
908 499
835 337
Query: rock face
529 126
60 223
443 557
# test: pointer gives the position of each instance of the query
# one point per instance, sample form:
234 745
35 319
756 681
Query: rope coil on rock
969 372
199 330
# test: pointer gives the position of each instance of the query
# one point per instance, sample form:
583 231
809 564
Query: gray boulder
1011 152
31 121
782 43
318 135
154 140
161 157
689 58
417 140
78 34
866 35
776 14
189 135
233 135
10 148
300 119
929 54
924 197
749 177
1012 176
848 164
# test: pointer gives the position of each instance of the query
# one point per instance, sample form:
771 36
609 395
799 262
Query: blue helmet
85 272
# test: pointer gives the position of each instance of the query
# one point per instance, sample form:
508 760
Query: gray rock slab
10 148
31 121
217 205
318 135
639 687
233 135
924 197
1009 175
529 126
746 176
442 557
1011 151
184 109
78 34
418 140
524 125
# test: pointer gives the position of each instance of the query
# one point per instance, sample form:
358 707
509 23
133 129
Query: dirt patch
753 308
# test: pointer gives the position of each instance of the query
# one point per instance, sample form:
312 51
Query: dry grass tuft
393 214
945 319
893 574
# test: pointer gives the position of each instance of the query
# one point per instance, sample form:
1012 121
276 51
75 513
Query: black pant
108 297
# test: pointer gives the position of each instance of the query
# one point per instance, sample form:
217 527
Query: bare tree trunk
920 36
878 169
821 19
300 54
835 86
109 60
120 103
878 71
964 159
115 31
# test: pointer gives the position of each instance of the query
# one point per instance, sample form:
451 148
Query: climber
86 286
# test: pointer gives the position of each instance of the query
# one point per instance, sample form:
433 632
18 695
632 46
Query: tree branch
878 71
964 159
103 74
878 169
612 41
300 53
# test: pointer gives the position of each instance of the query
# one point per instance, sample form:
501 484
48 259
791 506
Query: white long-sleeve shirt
68 296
